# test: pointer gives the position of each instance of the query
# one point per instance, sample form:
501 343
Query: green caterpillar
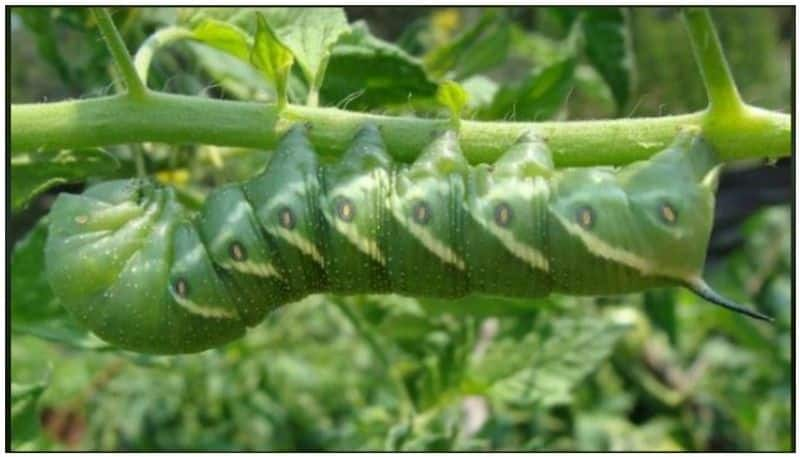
134 267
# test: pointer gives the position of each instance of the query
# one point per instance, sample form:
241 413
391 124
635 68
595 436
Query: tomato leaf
367 72
34 308
542 367
25 412
608 48
225 37
272 58
539 96
452 96
35 172
483 46
309 33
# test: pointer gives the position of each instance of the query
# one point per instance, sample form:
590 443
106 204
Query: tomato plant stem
119 52
723 96
154 42
179 119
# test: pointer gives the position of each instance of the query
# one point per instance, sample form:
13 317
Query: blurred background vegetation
656 371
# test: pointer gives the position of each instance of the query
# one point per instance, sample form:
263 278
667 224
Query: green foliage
38 171
606 43
67 41
479 48
34 309
272 58
301 35
309 33
24 413
223 36
608 49
673 88
46 41
365 72
453 97
539 96
540 370
663 371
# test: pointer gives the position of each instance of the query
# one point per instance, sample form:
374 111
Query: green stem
723 97
313 97
141 167
119 52
180 119
367 334
313 91
145 53
727 115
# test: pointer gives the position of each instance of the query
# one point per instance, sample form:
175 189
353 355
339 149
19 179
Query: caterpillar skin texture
138 270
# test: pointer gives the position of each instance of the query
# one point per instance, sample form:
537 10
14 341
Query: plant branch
312 99
723 96
154 42
119 52
367 334
735 130
180 119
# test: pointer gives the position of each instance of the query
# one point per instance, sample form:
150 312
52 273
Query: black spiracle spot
668 213
237 251
345 209
286 218
503 214
421 213
586 217
181 287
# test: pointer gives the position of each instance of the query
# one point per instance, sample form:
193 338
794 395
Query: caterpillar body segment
134 267
357 223
507 225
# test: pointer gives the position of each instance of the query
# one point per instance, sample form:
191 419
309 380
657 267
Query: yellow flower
174 177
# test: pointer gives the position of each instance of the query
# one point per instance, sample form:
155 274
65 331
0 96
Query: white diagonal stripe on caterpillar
304 245
601 248
438 248
527 254
201 310
265 270
362 243
240 212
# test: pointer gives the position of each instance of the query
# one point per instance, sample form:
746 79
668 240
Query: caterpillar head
126 263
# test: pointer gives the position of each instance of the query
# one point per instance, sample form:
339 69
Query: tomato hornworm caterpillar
141 272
